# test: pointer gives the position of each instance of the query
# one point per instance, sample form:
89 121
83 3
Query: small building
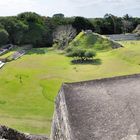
104 109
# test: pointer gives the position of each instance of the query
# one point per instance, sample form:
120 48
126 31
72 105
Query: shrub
90 54
69 49
81 54
73 53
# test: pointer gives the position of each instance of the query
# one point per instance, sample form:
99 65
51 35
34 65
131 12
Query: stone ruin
104 109
11 134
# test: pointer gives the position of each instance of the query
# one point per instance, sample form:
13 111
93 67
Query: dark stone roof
104 109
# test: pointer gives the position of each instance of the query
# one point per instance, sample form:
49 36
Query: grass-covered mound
92 41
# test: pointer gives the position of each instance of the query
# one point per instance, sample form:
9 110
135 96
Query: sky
86 8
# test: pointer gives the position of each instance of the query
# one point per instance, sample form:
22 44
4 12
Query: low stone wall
123 37
11 134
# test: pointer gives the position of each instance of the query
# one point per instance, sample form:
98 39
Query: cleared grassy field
29 85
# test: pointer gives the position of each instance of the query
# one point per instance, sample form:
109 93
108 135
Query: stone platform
104 109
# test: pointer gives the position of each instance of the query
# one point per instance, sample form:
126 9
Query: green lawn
7 54
29 85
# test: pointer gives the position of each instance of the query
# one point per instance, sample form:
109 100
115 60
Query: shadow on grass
45 94
36 51
91 61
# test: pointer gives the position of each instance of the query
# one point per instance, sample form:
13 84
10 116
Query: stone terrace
104 109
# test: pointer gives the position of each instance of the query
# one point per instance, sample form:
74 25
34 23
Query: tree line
40 31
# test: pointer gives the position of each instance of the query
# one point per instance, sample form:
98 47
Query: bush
73 53
81 54
90 54
69 49
3 36
81 23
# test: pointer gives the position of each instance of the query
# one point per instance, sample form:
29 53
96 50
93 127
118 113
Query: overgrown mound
137 30
94 41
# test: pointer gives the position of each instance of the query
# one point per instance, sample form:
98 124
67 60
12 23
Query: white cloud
116 7
13 7
88 8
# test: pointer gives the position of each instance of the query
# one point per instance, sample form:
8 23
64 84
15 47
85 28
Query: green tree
31 17
47 38
36 28
81 23
3 36
15 28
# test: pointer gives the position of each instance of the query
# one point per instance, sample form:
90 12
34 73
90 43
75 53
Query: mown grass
29 85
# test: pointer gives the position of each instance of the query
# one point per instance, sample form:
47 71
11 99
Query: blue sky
86 8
